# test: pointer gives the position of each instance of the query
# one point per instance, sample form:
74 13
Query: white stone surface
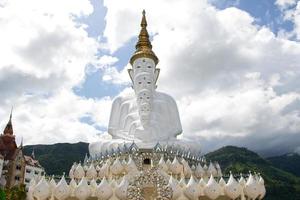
104 170
121 191
42 190
202 185
117 188
176 167
212 189
162 164
79 172
73 186
233 189
199 172
252 188
222 184
177 190
104 190
91 172
117 168
83 190
31 189
212 170
192 189
187 171
262 189
93 186
62 190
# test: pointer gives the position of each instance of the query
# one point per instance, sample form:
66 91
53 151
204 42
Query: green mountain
287 162
279 183
58 158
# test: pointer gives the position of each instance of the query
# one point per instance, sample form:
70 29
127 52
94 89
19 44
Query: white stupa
142 158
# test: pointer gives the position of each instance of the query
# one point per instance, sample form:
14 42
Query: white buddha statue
145 116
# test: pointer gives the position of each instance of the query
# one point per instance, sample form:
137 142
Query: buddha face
144 102
143 65
143 77
143 69
143 81
144 96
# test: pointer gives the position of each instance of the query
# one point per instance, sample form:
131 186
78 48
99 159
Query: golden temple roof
143 46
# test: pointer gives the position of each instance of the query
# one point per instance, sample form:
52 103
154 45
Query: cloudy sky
233 67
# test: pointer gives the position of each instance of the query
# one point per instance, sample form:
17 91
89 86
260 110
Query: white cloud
44 53
40 39
296 19
107 60
235 82
112 75
232 79
291 13
283 4
58 118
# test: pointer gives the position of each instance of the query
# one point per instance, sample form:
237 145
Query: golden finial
143 46
144 21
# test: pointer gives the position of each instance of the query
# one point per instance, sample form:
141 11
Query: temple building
14 165
142 157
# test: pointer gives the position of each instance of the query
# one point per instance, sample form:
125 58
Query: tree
16 193
2 194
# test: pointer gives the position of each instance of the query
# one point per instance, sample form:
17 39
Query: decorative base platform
146 174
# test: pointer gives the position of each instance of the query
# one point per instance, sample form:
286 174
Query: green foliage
2 194
287 162
58 158
279 184
16 193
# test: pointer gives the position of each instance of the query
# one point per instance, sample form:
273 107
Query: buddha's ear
156 74
130 72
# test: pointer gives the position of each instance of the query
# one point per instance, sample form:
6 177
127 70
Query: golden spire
143 46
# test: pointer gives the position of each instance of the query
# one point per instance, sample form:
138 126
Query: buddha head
144 74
